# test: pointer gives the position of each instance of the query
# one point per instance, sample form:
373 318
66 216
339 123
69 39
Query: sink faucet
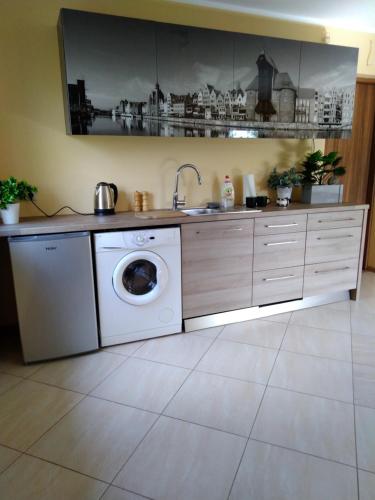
176 204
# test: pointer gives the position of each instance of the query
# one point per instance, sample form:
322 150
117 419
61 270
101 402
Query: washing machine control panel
140 238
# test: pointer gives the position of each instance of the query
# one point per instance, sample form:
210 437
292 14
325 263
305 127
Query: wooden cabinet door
334 244
330 277
216 266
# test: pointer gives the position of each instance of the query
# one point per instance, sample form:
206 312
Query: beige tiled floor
262 410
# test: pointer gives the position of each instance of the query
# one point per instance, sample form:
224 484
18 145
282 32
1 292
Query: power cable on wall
59 210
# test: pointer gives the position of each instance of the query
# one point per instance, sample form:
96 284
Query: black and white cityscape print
133 77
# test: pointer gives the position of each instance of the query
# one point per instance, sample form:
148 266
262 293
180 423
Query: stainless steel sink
201 211
216 211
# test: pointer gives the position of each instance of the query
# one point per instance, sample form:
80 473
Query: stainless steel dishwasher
54 284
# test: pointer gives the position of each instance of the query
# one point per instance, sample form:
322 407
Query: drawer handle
280 243
332 270
112 248
226 230
280 278
282 225
335 237
337 220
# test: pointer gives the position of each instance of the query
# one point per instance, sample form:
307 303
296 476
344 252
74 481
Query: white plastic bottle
227 193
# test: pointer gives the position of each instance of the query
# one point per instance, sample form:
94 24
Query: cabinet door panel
280 224
278 251
332 220
216 266
330 277
277 285
335 244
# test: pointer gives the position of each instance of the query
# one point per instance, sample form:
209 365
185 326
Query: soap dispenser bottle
227 193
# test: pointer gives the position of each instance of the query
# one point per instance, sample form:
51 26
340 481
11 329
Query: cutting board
160 214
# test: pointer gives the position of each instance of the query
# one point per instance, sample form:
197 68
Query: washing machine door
140 277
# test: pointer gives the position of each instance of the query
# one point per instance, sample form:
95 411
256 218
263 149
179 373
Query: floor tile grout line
205 426
366 470
126 491
230 377
246 343
11 387
54 424
343 332
329 358
272 386
161 414
257 413
112 372
135 449
316 356
119 403
303 452
28 454
354 409
12 462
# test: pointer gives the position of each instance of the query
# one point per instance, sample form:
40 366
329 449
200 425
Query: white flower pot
11 214
284 192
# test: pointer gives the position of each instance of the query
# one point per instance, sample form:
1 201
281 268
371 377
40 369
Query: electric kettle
105 199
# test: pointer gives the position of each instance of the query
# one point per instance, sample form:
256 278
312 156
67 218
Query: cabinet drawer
216 266
336 244
332 220
277 285
278 251
280 224
330 277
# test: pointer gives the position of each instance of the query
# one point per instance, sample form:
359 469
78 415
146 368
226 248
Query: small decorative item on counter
145 205
11 193
284 182
227 193
320 178
282 202
137 201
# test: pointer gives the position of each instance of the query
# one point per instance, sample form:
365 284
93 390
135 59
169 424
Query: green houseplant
284 182
12 192
320 177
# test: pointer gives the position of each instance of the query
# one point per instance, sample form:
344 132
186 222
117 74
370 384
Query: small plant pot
284 192
11 214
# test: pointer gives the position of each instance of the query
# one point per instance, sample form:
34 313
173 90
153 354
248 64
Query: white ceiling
357 15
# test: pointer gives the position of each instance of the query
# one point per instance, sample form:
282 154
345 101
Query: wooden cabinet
225 267
216 266
333 252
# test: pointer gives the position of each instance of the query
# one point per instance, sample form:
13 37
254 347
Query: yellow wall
33 142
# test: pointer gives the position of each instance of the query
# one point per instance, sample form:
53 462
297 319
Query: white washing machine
139 284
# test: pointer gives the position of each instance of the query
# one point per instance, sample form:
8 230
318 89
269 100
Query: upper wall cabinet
126 76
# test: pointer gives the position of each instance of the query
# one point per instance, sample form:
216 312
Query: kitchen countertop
125 220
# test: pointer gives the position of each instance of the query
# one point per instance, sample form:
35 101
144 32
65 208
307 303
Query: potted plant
284 182
11 193
320 178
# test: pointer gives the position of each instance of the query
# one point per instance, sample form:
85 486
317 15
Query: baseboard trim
225 318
